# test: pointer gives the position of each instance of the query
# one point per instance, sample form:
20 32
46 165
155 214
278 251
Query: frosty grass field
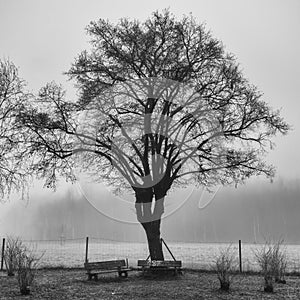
71 253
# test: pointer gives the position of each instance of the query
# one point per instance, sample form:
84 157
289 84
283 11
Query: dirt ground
73 284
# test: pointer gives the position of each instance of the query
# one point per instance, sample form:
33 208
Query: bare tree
161 104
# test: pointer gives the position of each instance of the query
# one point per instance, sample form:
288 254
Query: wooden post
162 241
240 255
86 249
2 253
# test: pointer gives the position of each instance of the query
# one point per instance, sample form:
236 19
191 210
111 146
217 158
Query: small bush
224 265
280 262
10 254
22 260
264 259
272 261
26 266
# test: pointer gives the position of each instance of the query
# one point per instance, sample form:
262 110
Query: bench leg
91 276
123 274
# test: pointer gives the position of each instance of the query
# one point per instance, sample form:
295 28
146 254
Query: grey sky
43 37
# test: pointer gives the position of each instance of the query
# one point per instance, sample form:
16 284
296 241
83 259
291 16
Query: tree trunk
150 220
152 230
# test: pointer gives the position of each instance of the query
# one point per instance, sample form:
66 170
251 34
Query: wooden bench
95 268
161 265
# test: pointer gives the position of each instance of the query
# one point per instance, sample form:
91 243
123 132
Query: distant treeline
254 212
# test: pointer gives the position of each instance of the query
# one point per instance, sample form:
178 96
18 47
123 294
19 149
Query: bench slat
160 263
109 271
110 264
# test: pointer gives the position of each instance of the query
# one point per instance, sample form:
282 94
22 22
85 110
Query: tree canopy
188 62
13 95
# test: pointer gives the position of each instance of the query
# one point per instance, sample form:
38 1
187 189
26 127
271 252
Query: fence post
2 253
86 249
240 255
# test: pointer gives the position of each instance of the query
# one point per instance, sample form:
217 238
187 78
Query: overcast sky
43 37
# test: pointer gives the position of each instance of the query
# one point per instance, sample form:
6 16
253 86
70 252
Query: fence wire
71 253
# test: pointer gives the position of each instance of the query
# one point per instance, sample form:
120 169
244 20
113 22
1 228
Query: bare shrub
264 259
26 266
225 266
21 259
272 261
10 254
280 262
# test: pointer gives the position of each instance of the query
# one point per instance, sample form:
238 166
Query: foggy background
254 213
43 37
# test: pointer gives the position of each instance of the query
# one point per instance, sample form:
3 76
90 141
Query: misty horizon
254 213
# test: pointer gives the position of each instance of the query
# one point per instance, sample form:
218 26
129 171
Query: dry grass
73 284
